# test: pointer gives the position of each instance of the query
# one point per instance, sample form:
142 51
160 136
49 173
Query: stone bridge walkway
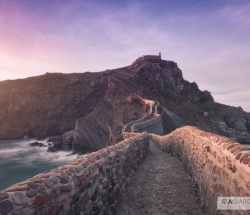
160 186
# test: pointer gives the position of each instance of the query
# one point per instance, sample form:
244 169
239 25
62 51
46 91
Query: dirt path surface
161 185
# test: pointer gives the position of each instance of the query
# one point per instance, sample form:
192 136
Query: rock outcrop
37 144
91 108
47 105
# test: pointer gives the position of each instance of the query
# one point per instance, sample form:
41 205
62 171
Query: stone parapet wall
90 184
150 114
127 127
151 122
153 125
219 165
126 135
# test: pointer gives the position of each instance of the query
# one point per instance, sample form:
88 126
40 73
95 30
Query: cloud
235 98
237 16
208 40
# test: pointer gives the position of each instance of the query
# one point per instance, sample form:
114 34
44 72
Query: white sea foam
21 150
19 160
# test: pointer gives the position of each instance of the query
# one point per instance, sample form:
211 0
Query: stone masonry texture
91 184
219 165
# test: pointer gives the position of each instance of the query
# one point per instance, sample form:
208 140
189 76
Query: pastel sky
210 40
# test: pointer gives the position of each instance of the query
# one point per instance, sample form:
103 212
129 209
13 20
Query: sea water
20 161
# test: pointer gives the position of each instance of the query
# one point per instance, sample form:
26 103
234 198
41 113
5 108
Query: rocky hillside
89 110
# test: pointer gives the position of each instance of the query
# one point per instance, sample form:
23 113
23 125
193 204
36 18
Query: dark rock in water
55 143
37 144
54 139
41 138
67 139
63 142
52 148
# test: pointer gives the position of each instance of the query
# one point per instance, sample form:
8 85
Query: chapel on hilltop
148 58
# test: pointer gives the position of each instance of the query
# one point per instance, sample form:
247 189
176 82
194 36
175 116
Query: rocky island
144 159
86 112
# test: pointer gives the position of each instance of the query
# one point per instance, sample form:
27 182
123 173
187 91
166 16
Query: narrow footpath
160 186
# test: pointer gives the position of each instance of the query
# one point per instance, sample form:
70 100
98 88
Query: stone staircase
180 173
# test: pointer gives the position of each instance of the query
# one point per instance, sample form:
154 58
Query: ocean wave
21 150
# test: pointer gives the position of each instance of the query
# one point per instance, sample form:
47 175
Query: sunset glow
208 39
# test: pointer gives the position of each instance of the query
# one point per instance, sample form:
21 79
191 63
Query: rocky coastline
85 112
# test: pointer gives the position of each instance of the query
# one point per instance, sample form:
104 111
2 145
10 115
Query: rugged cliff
90 109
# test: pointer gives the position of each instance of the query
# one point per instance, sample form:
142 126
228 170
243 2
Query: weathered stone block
42 200
6 206
31 193
3 196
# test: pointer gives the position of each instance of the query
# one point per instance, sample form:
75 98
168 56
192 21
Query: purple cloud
209 40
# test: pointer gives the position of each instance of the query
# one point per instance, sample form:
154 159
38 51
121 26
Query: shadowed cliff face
95 106
47 105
